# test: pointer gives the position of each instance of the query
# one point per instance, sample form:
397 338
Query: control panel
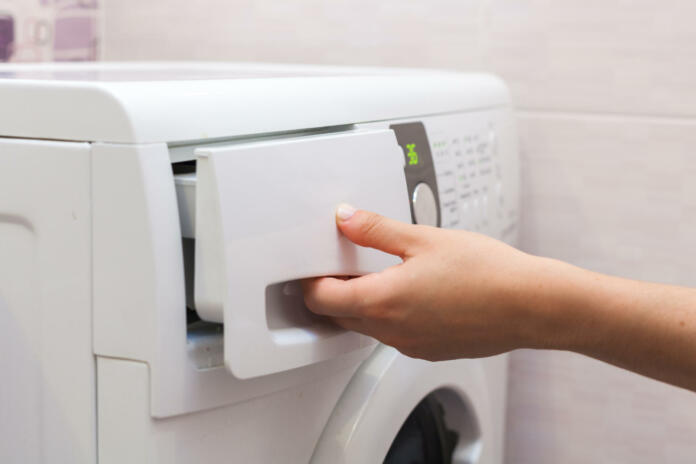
470 176
462 171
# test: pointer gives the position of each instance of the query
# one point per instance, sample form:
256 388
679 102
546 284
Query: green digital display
412 154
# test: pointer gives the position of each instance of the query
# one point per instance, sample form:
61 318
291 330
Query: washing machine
155 220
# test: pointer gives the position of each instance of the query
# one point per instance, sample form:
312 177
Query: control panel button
424 205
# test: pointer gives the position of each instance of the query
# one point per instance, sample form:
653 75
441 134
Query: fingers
336 297
372 230
350 298
323 296
315 295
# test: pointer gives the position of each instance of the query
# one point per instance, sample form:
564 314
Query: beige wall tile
444 33
612 56
611 194
565 408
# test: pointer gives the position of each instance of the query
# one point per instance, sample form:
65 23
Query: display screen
412 154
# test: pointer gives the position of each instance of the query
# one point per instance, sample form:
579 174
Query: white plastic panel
265 216
281 427
47 392
150 103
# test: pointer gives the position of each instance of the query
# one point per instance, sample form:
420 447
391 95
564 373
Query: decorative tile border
49 30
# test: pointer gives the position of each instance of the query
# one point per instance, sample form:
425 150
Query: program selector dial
424 205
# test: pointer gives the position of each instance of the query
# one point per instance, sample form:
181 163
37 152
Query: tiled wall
44 30
607 92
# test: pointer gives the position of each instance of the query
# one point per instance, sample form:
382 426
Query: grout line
607 116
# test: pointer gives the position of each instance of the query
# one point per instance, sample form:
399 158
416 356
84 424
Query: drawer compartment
262 216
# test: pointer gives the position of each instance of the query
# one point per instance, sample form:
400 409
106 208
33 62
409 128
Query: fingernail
344 212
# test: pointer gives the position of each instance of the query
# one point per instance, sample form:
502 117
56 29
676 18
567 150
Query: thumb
371 230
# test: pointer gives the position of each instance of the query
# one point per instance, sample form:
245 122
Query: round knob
424 205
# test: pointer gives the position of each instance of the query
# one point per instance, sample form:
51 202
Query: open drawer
262 215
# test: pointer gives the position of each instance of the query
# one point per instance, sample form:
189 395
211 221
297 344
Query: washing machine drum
424 438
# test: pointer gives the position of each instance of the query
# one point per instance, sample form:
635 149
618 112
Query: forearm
644 327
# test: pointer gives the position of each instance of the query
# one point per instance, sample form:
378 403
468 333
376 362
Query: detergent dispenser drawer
262 216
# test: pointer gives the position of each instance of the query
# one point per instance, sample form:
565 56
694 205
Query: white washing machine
154 221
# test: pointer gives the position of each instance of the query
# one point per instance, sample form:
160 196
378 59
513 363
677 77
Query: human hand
459 294
456 294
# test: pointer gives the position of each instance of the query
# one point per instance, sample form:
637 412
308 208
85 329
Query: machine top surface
181 102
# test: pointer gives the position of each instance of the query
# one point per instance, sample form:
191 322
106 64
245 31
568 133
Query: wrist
555 307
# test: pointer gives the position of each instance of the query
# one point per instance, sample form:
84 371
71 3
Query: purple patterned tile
73 32
7 34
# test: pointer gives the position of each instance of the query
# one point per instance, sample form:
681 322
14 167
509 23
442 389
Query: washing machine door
397 406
